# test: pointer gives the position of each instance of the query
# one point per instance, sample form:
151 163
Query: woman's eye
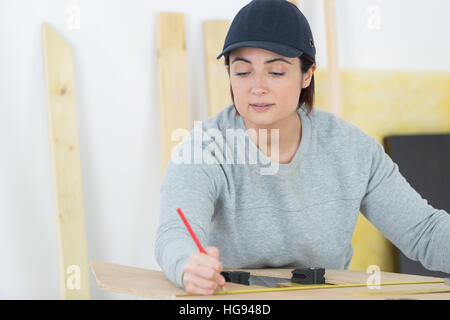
243 74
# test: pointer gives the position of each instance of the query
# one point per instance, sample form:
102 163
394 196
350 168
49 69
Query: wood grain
334 81
154 284
217 79
66 166
172 83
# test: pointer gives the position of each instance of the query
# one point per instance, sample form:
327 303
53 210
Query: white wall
117 100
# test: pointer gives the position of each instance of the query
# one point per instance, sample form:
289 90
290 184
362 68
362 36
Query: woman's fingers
202 272
194 289
207 261
193 281
212 252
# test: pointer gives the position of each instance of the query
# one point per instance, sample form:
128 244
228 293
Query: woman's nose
258 90
259 86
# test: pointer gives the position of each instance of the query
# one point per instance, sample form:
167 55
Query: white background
117 101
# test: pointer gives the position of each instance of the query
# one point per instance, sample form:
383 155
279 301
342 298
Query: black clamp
312 275
241 277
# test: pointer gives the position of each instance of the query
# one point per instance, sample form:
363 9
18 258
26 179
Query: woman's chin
260 121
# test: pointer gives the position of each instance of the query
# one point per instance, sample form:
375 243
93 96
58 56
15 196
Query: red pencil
199 245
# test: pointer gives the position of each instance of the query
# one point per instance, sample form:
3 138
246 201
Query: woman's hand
202 272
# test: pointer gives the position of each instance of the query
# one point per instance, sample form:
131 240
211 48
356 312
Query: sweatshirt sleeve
191 188
419 230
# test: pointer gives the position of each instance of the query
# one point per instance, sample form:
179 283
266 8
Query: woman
323 171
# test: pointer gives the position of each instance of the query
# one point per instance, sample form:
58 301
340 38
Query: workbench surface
154 284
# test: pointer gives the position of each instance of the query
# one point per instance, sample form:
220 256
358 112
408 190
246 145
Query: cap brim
278 48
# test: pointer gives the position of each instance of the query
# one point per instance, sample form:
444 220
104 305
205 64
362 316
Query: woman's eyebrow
268 61
277 59
240 59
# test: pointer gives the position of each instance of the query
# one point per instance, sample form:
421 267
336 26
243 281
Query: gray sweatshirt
260 213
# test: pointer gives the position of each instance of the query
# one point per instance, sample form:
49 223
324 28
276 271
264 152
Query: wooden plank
134 281
173 97
66 167
154 284
425 290
334 83
217 79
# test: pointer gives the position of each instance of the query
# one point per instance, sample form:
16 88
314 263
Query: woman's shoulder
330 125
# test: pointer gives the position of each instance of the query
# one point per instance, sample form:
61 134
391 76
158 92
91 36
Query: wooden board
134 281
217 79
334 81
358 293
172 83
154 284
66 167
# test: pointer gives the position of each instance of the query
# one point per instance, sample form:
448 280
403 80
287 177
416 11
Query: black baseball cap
275 25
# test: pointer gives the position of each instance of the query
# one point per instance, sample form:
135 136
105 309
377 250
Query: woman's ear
228 69
307 76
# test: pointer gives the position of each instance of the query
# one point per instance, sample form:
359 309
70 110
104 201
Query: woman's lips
261 106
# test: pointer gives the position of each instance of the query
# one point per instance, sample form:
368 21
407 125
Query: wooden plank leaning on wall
66 166
217 80
172 83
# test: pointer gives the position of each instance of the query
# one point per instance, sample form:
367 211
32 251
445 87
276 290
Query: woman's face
266 86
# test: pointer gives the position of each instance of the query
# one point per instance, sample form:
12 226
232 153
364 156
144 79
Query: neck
289 137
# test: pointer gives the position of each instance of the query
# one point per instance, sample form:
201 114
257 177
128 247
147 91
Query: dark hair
307 94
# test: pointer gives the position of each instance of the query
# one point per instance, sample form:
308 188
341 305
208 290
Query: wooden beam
334 82
173 94
217 79
66 167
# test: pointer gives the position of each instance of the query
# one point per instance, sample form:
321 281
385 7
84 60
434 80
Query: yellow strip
308 287
389 293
